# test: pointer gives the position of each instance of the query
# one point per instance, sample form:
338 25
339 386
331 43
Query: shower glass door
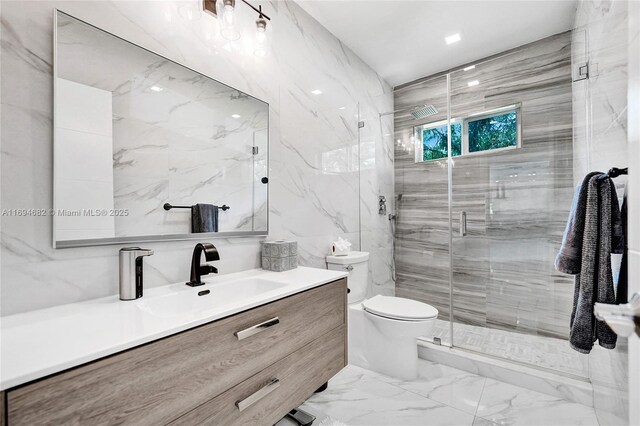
511 190
422 237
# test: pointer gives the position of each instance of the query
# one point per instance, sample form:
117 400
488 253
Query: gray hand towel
622 289
204 218
617 223
595 281
569 257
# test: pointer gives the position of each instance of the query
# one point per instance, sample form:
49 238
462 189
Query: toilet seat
399 308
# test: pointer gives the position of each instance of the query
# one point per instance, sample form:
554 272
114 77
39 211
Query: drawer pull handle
257 396
247 332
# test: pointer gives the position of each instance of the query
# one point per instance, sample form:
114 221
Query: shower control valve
382 205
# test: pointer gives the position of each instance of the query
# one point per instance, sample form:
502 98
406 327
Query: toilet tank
357 264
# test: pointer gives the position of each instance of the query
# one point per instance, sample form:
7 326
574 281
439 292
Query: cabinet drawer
160 381
266 397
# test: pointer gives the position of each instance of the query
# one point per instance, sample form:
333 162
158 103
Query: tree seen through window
497 131
470 135
434 142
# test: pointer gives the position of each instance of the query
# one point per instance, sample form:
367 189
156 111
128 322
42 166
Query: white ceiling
403 40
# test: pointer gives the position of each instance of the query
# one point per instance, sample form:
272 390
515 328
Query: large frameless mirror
147 149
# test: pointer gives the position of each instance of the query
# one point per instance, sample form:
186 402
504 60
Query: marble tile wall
503 270
422 227
320 183
376 178
633 138
600 142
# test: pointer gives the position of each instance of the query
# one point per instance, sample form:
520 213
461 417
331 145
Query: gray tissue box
279 256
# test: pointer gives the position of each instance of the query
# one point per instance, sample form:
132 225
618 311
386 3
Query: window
477 133
434 140
493 132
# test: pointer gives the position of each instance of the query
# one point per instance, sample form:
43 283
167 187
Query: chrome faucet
131 272
197 270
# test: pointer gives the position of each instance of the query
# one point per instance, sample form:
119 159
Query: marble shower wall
322 182
516 201
600 142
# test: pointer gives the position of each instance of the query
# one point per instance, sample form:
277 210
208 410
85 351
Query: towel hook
614 172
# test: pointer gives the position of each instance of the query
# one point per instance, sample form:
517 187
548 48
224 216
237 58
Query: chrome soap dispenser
131 268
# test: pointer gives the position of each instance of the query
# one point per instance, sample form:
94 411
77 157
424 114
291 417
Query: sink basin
186 301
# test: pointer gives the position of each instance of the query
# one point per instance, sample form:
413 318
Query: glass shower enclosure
484 184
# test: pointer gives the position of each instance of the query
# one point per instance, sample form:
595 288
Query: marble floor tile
440 396
479 421
455 388
356 397
505 404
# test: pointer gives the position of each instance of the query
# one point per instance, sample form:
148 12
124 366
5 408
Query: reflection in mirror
147 149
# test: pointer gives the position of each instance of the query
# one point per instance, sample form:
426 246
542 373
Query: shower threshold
578 390
546 353
493 363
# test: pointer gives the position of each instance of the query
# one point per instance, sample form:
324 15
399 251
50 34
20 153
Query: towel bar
168 207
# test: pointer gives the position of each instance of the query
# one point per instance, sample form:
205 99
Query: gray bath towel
622 289
204 218
594 283
569 257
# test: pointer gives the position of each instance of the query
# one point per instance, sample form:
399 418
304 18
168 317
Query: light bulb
228 28
190 10
260 48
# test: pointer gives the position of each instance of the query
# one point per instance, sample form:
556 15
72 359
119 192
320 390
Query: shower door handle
463 224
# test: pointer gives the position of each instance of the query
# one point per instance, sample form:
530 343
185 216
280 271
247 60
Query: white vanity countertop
38 343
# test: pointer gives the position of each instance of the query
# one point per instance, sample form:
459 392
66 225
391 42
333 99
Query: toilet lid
399 308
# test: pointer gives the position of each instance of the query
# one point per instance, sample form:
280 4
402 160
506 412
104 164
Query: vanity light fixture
453 38
189 11
228 27
260 47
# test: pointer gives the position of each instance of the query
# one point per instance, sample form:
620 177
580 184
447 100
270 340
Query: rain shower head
423 111
418 112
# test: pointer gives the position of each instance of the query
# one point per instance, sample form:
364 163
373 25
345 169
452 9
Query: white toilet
382 329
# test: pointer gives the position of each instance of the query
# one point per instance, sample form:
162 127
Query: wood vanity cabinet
250 368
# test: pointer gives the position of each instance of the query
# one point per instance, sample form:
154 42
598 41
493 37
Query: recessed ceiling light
469 68
235 116
473 83
317 92
156 88
452 38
